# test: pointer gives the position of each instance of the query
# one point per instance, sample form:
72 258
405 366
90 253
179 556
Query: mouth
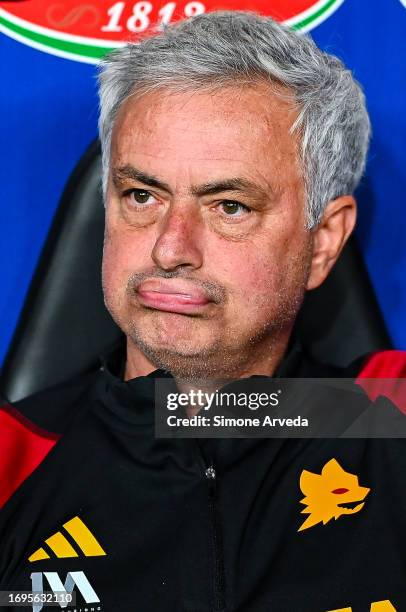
176 296
353 506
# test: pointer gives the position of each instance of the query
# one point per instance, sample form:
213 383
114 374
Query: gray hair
223 48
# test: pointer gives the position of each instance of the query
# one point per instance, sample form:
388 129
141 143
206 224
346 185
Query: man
231 150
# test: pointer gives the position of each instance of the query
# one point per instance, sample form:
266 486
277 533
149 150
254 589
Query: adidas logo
63 548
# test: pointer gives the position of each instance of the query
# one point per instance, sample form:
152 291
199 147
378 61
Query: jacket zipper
216 542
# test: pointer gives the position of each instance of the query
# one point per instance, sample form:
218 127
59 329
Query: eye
139 197
340 491
233 209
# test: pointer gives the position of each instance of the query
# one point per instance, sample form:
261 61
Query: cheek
259 284
122 256
260 276
249 276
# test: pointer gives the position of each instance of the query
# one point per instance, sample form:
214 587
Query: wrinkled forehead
244 127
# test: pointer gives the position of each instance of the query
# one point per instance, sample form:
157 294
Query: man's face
206 253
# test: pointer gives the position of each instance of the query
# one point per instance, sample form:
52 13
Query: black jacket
95 505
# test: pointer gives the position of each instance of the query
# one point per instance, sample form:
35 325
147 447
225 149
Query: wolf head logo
330 494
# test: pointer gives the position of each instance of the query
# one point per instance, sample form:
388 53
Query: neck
137 364
263 360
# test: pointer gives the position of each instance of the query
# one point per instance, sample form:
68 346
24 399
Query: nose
178 242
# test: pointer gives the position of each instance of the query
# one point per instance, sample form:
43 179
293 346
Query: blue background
48 110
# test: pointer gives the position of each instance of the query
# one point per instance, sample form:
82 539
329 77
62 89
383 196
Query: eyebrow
211 188
232 184
129 172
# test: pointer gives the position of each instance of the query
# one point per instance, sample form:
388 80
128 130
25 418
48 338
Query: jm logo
73 578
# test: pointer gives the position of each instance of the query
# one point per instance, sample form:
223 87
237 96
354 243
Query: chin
187 358
186 363
187 347
169 332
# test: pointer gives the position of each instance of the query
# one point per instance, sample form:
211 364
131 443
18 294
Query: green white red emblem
86 30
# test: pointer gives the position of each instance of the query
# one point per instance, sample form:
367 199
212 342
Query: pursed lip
173 295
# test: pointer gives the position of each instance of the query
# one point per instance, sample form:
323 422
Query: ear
309 482
330 236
